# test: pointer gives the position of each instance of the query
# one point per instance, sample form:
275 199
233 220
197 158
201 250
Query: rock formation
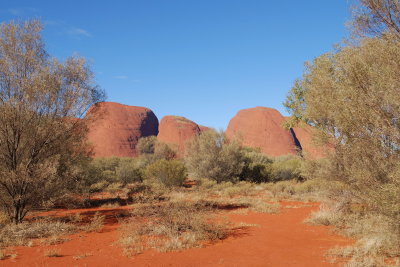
304 135
204 128
114 129
176 131
262 128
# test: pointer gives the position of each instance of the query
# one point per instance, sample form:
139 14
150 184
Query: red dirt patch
278 240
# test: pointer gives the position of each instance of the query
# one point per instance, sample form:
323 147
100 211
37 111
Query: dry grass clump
78 257
75 217
6 255
96 223
54 240
378 237
21 234
227 189
3 254
170 226
260 206
52 253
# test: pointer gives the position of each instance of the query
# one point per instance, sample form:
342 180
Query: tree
375 18
353 97
42 101
211 155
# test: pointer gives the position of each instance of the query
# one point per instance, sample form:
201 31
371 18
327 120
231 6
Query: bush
257 167
128 173
287 168
102 172
167 172
146 145
210 155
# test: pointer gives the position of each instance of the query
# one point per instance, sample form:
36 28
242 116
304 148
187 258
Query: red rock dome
262 128
304 135
204 128
114 129
176 131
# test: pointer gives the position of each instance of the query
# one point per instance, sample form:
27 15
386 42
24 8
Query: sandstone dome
262 127
176 131
114 128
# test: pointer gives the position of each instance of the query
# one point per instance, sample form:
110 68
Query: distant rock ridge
116 128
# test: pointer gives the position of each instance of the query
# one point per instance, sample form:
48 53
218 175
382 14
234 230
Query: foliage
41 135
211 155
286 168
362 78
376 18
167 172
146 145
257 167
363 81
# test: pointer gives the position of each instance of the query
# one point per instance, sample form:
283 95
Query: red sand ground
279 240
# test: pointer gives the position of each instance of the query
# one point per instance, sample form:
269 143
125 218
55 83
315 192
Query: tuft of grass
52 253
378 238
3 254
21 234
96 224
75 217
259 205
54 240
78 257
170 226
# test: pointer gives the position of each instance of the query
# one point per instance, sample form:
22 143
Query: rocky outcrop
204 128
114 129
262 128
176 131
310 149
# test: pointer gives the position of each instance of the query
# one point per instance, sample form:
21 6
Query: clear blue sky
201 59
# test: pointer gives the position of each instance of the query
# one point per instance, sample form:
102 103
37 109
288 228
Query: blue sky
201 59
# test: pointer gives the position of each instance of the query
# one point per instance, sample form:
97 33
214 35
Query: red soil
278 240
176 131
115 128
262 128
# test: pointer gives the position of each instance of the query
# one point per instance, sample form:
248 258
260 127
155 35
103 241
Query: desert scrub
96 224
170 226
21 234
378 237
167 172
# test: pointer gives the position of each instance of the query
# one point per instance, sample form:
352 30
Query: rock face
204 128
262 128
114 129
311 150
176 131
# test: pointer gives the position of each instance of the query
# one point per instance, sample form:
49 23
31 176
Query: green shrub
210 155
167 172
128 172
257 167
146 145
287 168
